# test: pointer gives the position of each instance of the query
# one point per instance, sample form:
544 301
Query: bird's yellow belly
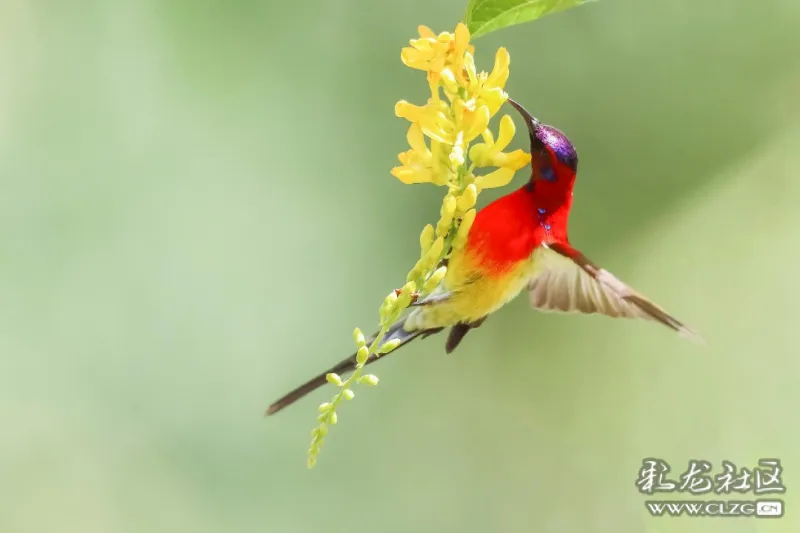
472 298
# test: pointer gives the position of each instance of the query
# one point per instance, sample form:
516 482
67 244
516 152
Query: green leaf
485 16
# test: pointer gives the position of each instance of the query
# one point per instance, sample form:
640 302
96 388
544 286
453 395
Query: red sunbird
517 242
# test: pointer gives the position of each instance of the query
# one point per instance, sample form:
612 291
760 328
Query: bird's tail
395 332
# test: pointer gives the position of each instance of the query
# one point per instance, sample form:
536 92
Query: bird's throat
508 230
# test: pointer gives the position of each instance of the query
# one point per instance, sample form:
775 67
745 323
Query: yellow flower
453 121
417 162
429 52
490 152
499 75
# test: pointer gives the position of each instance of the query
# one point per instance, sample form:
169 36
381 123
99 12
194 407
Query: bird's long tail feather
348 364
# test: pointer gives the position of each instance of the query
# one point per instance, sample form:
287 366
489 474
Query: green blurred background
189 193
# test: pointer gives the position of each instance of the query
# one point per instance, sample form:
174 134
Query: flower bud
406 293
435 279
388 305
415 272
362 355
325 407
332 419
480 155
390 299
334 379
358 337
467 200
408 289
389 346
426 238
449 206
433 254
368 379
348 394
463 229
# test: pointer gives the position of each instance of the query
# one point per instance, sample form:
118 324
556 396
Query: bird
517 243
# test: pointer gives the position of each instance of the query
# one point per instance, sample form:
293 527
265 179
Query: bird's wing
566 281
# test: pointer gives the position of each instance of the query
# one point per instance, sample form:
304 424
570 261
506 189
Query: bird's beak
531 121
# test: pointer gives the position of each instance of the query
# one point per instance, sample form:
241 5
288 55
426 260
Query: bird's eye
548 174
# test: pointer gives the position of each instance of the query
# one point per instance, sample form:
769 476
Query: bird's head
554 159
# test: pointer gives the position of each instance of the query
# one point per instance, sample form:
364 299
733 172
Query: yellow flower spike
499 74
440 135
497 178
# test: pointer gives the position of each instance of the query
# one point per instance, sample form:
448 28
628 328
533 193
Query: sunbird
517 242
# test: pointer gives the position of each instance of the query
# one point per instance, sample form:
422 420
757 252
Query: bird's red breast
509 229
